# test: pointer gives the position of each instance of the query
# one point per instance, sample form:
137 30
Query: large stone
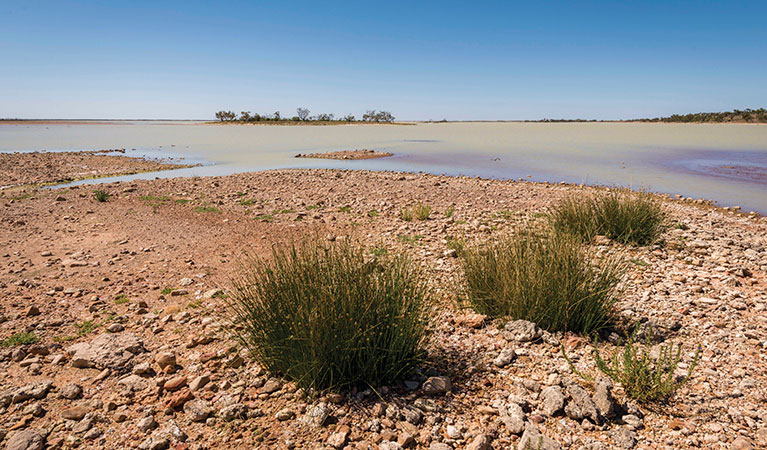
165 359
624 438
505 358
29 439
513 417
107 351
317 415
481 442
236 411
71 391
37 391
75 412
436 385
532 438
521 331
603 398
197 410
580 405
552 400
133 383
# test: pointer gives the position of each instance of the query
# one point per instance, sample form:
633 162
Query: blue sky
420 60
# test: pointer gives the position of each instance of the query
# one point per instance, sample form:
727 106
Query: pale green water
672 158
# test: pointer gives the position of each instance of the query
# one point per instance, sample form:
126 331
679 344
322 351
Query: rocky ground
61 167
122 304
347 154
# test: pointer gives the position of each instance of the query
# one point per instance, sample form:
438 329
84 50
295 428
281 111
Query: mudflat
126 302
61 167
347 154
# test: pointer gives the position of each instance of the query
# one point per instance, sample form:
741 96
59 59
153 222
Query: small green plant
182 201
543 276
681 226
410 239
373 213
247 202
329 317
207 209
101 196
639 262
265 218
166 291
422 212
644 378
623 216
456 243
406 214
23 338
122 298
345 209
86 327
449 211
378 250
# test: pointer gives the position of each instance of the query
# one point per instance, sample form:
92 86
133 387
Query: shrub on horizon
543 276
332 317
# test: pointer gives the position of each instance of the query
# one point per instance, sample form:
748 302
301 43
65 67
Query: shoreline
78 261
20 170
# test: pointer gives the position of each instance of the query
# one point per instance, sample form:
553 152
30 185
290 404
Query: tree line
302 115
736 115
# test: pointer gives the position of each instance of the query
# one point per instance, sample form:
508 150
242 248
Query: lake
725 163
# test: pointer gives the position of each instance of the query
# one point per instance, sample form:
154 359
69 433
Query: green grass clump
101 196
122 298
623 216
422 212
166 290
406 214
86 327
19 339
207 209
543 276
330 317
644 378
449 211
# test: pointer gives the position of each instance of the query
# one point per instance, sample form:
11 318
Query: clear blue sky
420 60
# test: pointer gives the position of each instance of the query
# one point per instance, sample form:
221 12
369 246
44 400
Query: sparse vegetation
207 209
623 216
746 115
101 196
120 299
449 211
406 214
302 115
23 338
422 212
410 239
644 377
86 327
329 317
544 276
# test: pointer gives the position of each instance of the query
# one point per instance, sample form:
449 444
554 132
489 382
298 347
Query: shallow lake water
725 163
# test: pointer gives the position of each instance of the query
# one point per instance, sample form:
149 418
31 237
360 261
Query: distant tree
369 115
225 116
302 113
349 118
384 116
245 116
325 117
277 115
